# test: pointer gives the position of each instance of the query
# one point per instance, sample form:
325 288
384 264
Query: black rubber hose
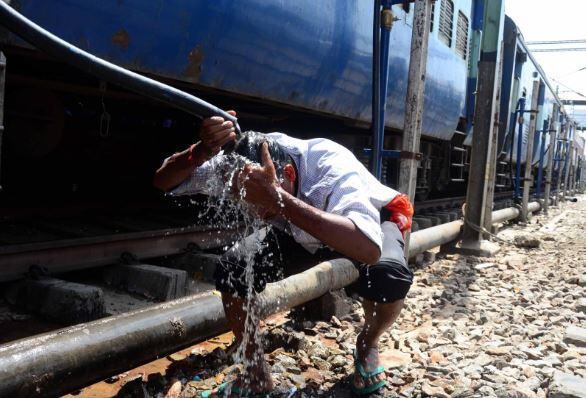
68 53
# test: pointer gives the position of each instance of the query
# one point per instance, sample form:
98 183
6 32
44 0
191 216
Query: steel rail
61 361
74 254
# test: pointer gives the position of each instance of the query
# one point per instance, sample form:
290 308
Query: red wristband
192 158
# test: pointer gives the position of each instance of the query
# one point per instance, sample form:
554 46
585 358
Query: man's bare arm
338 232
215 133
179 167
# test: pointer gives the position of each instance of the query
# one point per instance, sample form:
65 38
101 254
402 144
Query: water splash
228 212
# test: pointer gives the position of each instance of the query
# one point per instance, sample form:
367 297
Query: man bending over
322 199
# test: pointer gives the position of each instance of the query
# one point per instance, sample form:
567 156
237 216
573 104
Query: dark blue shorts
387 281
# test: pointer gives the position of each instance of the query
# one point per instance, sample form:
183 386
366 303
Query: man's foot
369 375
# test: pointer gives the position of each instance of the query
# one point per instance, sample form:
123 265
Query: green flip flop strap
365 374
370 389
221 389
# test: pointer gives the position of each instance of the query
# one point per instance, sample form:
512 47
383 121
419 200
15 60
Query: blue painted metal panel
308 54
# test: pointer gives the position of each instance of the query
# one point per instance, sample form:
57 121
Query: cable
551 50
576 71
576 41
569 88
483 230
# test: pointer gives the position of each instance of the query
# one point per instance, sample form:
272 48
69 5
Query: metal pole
2 83
377 130
559 154
414 101
491 167
484 127
527 181
567 158
542 135
573 175
550 156
59 362
519 149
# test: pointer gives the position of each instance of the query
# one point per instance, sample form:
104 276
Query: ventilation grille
445 22
462 36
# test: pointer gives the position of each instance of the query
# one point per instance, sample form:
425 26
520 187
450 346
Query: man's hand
261 186
215 133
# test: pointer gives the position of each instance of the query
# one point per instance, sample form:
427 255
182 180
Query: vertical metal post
475 43
542 135
484 127
2 83
376 98
414 100
550 156
527 181
569 158
558 158
491 168
575 165
571 171
519 149
383 22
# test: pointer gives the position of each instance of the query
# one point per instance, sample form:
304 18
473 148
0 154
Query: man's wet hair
249 145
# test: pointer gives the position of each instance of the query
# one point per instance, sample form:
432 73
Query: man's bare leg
378 318
257 374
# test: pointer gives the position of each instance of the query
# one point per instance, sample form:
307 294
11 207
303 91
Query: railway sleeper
151 281
57 300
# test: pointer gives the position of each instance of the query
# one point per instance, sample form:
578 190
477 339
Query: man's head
249 146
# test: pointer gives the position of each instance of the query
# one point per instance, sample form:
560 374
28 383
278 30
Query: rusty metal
485 117
71 254
528 180
550 155
414 102
387 19
411 155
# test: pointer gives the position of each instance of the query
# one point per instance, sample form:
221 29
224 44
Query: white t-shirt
330 179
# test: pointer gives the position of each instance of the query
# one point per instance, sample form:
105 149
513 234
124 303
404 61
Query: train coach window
462 35
446 22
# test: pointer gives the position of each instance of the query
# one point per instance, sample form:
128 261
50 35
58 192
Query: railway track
120 301
80 242
84 250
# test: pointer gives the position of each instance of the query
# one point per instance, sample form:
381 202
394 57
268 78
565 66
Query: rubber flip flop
369 389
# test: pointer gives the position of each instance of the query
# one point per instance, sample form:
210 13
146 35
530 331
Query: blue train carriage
275 61
520 71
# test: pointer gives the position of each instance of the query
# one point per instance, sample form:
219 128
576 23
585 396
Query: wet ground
472 327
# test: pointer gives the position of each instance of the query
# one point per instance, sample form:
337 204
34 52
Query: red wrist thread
191 158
